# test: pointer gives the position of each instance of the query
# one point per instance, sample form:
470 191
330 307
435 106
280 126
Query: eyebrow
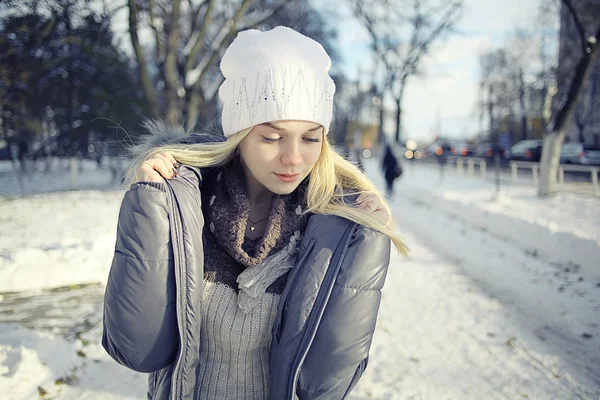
278 128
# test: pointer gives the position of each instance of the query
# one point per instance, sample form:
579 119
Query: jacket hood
160 133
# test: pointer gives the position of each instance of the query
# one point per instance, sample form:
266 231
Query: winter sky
449 86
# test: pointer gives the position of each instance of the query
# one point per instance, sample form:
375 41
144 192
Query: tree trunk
196 97
550 161
147 85
194 108
543 95
553 140
382 140
522 106
399 108
398 120
524 134
72 145
490 107
170 66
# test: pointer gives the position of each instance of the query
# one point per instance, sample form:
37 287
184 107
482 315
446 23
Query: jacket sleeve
340 350
140 324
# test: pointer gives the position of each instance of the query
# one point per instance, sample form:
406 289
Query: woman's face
278 155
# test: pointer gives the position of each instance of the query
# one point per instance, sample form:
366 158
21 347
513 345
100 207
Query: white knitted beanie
275 75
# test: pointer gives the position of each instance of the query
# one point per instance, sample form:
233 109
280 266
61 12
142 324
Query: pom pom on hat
275 75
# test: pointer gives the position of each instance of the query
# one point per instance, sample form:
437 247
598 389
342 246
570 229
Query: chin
283 189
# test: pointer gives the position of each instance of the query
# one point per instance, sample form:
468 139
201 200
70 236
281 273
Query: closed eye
270 140
311 140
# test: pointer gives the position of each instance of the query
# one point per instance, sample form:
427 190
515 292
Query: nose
291 155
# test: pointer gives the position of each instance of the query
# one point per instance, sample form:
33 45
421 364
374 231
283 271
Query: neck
257 193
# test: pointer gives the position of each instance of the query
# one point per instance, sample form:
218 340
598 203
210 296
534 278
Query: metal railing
535 169
474 166
470 162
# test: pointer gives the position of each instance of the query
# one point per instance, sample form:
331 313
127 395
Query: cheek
260 160
311 157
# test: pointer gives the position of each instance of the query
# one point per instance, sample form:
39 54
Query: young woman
250 266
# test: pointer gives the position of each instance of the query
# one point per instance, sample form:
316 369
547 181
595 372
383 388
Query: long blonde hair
332 178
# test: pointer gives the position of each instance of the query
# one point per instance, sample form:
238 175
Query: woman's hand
157 167
371 203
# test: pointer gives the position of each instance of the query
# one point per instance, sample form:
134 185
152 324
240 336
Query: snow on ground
38 365
439 336
482 308
564 229
553 306
57 239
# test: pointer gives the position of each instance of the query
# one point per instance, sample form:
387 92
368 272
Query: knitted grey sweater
235 342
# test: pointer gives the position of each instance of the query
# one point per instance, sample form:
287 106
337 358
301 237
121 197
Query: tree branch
194 77
160 50
578 24
192 53
254 19
369 24
194 20
417 50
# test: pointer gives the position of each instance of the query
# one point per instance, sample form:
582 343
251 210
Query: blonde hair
332 178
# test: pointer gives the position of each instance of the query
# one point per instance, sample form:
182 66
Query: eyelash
271 140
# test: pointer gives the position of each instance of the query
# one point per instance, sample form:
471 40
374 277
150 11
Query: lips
288 177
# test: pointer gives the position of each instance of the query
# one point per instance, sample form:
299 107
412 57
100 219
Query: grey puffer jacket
326 315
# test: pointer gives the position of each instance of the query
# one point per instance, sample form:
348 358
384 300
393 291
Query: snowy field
499 299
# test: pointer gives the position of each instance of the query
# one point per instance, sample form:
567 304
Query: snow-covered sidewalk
473 313
563 229
439 336
548 310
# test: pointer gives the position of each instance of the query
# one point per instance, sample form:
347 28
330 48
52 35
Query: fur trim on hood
161 133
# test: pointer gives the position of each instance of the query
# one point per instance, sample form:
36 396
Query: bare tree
502 88
519 62
509 81
188 38
555 131
350 100
402 33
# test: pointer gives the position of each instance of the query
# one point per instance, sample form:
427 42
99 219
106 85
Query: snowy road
469 315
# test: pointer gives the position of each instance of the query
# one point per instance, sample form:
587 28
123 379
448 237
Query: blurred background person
391 170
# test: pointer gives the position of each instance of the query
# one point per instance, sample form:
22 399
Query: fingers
165 164
382 215
368 200
170 157
157 167
169 165
372 204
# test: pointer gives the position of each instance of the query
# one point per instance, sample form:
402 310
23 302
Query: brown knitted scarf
227 251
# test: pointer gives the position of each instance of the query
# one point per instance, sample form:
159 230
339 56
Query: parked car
461 149
527 150
489 151
579 153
